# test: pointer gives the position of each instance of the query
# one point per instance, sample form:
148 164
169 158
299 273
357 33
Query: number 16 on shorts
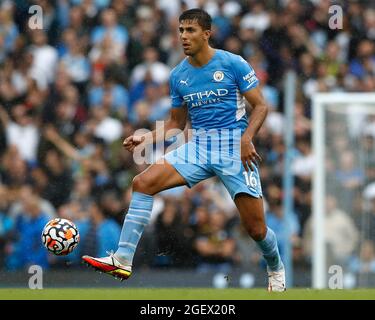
251 180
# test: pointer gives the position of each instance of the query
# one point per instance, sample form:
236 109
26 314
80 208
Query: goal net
343 220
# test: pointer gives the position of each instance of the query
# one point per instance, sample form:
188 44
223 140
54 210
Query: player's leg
178 168
253 220
245 189
252 215
156 178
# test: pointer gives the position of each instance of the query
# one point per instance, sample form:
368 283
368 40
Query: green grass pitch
182 294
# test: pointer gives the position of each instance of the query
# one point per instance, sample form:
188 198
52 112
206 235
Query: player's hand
131 142
249 155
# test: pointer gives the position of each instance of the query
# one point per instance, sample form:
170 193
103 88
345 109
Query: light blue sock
270 251
136 220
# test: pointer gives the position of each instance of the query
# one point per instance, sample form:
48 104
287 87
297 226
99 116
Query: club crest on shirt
218 76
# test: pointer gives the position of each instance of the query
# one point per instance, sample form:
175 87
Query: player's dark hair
201 16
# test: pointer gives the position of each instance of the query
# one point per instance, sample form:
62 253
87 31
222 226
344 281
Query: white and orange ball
60 236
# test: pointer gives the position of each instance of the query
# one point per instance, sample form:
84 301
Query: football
60 236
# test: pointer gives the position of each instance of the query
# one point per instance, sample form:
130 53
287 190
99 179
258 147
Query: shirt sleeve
177 100
245 75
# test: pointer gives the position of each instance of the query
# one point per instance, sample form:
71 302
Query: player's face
192 36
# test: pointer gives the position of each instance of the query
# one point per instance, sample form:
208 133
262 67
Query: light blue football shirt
213 92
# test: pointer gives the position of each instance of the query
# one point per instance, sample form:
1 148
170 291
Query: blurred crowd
99 69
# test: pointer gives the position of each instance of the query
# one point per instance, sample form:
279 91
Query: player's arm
177 120
259 112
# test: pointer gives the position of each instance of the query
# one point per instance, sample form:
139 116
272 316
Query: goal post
340 120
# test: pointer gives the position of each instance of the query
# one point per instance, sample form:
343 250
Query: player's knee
257 233
142 184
